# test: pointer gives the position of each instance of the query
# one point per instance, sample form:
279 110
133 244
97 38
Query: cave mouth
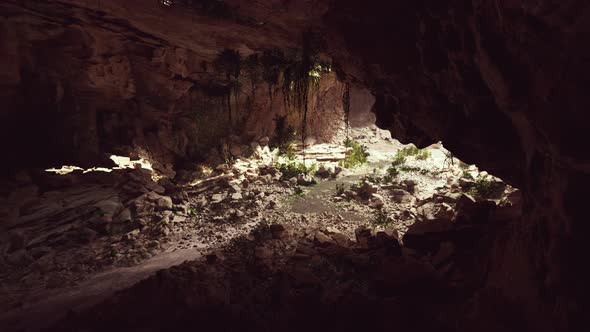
228 180
280 210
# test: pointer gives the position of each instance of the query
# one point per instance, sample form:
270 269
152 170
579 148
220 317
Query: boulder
217 198
367 189
109 208
305 180
323 238
433 217
264 141
277 231
235 150
164 203
310 141
322 172
123 216
362 235
376 201
402 197
410 185
466 183
234 188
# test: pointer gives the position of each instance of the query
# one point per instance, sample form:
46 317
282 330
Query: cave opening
291 165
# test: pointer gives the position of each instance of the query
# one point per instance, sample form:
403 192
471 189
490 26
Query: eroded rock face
80 80
499 82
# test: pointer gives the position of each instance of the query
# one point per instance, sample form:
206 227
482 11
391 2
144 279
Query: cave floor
210 227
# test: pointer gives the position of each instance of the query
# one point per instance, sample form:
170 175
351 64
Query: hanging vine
228 62
272 62
346 106
253 70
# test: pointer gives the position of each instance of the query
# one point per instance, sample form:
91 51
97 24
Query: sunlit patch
120 161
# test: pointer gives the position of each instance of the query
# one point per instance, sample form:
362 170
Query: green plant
398 160
463 165
485 187
467 175
406 168
392 172
449 159
408 151
423 155
298 191
373 178
293 168
412 151
381 218
284 136
192 211
262 231
388 178
357 155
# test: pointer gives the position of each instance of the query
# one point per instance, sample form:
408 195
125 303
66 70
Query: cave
280 165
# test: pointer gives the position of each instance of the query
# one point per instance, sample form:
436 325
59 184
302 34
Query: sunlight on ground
121 162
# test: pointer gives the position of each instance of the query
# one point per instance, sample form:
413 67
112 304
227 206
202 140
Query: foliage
381 218
192 212
398 160
228 62
412 151
398 164
485 187
357 155
467 175
298 191
463 165
262 231
423 155
449 159
293 168
346 106
406 168
284 136
372 178
254 70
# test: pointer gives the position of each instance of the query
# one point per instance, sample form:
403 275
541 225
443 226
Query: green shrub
485 187
423 155
284 137
406 168
381 219
297 191
467 175
357 155
398 160
412 151
409 151
293 168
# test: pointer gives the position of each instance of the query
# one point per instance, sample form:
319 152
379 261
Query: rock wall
82 80
501 83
